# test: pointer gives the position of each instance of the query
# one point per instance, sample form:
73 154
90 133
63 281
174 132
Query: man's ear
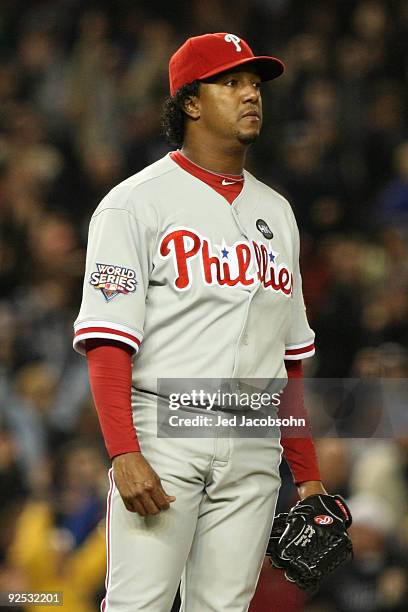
191 106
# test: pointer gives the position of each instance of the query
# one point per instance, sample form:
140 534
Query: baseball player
192 271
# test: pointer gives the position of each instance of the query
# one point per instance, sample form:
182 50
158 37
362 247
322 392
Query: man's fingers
139 508
148 503
169 498
141 503
133 505
161 499
146 497
143 495
133 498
154 499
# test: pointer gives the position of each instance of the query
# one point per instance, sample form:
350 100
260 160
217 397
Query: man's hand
139 485
311 540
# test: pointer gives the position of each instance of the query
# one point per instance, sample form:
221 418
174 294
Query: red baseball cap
204 56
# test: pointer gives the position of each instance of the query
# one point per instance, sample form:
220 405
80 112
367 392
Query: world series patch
113 280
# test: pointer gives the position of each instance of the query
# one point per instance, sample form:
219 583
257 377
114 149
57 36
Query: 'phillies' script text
243 264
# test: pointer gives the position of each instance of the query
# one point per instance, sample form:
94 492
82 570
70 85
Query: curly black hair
173 117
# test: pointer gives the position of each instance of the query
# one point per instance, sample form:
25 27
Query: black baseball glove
311 540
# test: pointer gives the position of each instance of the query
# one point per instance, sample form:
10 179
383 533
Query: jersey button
245 340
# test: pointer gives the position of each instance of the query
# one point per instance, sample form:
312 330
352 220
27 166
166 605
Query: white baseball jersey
196 286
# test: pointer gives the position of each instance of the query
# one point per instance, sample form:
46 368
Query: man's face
230 106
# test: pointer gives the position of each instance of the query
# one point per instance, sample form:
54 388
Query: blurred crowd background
81 87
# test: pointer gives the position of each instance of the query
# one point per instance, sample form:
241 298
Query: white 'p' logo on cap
234 39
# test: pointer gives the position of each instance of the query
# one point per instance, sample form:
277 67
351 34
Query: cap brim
267 67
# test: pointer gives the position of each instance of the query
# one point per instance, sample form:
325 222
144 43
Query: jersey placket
243 336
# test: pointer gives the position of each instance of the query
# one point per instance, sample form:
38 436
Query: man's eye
231 82
257 85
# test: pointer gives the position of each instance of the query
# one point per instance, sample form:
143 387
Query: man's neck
216 159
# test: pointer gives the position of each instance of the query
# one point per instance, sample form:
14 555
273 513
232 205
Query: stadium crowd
81 87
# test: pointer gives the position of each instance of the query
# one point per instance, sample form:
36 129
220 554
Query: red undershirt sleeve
110 377
299 453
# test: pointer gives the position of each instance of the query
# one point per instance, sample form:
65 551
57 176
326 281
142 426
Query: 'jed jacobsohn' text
243 420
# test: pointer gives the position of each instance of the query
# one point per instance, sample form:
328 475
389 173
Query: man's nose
251 93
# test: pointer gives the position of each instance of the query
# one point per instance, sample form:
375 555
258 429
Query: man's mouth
252 114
